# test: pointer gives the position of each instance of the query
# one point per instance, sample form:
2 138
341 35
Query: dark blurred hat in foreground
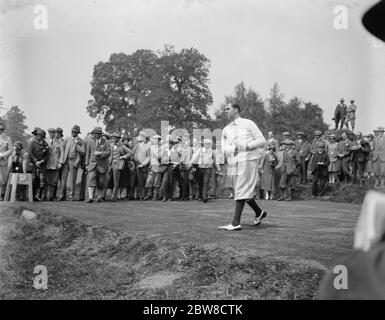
374 20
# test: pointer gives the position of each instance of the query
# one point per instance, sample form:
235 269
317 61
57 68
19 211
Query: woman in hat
119 153
267 165
5 152
333 157
128 174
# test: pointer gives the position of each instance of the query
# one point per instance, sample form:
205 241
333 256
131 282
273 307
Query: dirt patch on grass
93 262
159 280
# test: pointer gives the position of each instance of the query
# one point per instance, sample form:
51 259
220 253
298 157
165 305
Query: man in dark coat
340 114
96 162
344 150
288 171
303 148
320 171
359 158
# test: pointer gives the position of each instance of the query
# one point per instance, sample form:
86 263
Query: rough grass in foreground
92 262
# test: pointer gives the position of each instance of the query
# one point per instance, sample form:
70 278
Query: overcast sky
293 42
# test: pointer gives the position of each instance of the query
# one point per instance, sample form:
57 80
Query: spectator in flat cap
97 164
54 164
286 136
359 159
288 171
340 114
314 148
5 152
186 154
59 133
320 171
171 156
205 158
344 152
142 161
303 148
72 165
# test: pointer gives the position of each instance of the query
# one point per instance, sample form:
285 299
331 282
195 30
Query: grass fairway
153 250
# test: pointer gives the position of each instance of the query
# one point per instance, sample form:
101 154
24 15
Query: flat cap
76 128
97 130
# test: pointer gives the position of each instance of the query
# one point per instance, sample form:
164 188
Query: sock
91 193
253 204
239 204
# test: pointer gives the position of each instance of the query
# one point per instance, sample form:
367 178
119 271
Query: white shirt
241 132
203 157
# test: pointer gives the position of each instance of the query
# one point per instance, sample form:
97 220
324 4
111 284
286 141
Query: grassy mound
92 262
338 192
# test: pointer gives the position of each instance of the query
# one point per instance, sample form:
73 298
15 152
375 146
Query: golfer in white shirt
244 141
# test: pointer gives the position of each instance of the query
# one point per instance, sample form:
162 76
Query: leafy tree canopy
135 91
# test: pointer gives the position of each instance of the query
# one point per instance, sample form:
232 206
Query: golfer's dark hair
236 106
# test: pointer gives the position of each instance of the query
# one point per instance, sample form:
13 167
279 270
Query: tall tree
186 78
312 119
278 116
251 103
137 91
287 117
15 124
275 104
120 88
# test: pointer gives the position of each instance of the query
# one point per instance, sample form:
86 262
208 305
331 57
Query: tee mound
93 262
